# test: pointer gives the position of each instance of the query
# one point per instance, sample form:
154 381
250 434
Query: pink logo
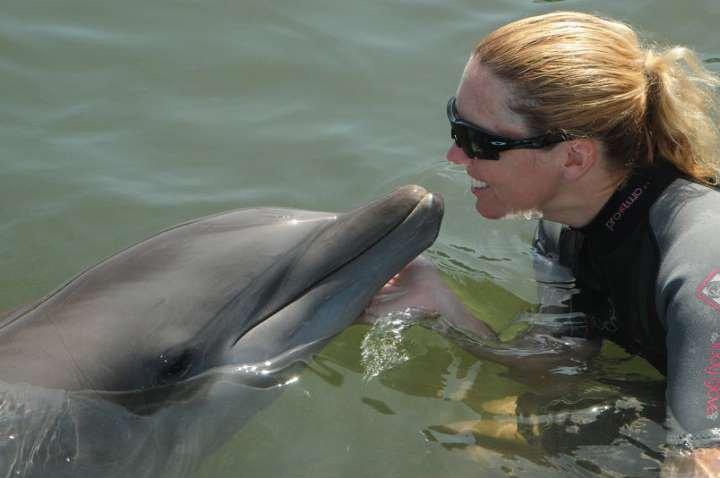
709 290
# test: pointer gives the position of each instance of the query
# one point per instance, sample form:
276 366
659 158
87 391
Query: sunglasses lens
472 147
457 133
476 145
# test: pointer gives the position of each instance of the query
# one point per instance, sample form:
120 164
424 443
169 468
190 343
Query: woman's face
522 179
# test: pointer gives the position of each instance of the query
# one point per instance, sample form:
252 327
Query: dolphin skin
153 358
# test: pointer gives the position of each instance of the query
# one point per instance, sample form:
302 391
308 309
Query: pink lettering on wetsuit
624 206
712 382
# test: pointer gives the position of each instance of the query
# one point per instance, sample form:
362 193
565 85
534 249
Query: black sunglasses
478 143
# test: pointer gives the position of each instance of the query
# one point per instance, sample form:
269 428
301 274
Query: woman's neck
583 199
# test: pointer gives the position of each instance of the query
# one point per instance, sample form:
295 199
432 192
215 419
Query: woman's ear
579 156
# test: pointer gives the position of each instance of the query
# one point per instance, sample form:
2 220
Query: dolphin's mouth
350 260
427 204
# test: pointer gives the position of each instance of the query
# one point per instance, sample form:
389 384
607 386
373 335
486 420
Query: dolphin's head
247 287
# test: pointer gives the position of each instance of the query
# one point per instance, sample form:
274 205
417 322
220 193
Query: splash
385 347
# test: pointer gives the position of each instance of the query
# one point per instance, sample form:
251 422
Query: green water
120 119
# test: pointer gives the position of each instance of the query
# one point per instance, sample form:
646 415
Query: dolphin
144 363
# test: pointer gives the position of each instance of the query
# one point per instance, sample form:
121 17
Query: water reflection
573 421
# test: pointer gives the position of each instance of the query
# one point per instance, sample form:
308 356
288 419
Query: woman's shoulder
685 223
686 211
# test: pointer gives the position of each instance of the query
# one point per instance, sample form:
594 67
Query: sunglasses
479 144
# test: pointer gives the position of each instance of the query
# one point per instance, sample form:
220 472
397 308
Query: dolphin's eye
174 366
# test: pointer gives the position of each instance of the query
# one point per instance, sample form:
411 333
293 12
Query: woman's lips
476 186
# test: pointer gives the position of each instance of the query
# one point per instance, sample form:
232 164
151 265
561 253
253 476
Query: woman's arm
541 348
419 287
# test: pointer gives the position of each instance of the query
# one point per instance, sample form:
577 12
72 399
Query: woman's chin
490 212
496 211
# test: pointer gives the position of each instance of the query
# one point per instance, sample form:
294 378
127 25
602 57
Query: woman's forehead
483 99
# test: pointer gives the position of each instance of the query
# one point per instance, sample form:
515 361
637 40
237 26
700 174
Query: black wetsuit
651 259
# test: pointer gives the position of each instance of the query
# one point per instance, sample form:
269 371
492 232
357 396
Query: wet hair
590 77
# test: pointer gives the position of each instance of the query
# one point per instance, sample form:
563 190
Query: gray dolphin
143 363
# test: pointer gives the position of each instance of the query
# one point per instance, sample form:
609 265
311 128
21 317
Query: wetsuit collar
629 206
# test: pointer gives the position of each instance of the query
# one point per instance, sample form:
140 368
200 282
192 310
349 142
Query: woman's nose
457 155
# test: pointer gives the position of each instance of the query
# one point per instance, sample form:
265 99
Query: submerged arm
537 350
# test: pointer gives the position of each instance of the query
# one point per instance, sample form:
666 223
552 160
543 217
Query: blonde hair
590 77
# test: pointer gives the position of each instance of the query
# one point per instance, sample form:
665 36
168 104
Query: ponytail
682 112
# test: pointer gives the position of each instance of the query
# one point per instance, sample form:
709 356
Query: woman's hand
419 286
416 286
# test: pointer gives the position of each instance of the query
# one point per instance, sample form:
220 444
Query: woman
568 116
